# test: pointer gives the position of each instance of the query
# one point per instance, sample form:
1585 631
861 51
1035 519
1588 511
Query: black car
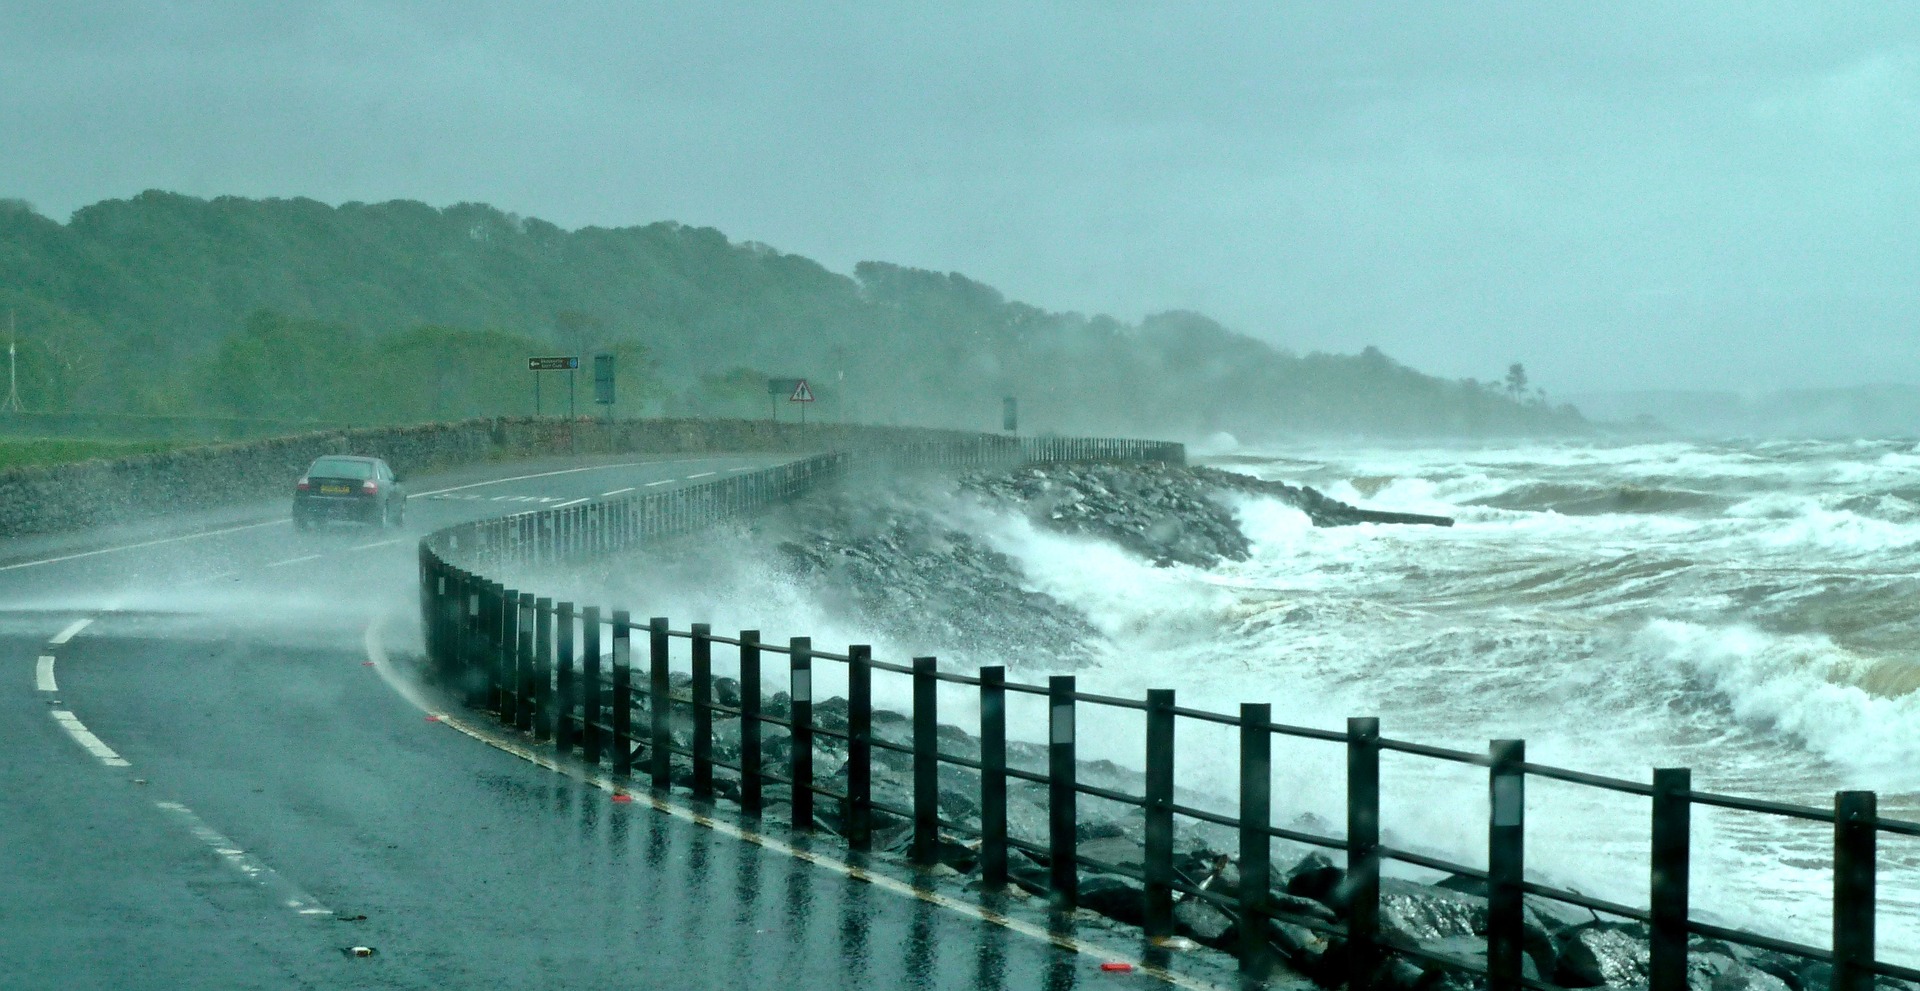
346 487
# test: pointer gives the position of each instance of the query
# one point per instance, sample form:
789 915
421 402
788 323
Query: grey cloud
1619 195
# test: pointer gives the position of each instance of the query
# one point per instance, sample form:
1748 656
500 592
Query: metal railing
568 675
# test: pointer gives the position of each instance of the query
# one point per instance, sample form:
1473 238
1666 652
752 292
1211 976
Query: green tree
1516 380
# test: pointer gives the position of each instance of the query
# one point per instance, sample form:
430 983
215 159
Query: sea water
1747 610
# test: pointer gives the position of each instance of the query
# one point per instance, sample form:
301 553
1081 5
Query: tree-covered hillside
397 311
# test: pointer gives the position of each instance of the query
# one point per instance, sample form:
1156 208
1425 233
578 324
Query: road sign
558 363
603 379
801 394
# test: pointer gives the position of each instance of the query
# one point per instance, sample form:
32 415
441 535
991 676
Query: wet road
209 785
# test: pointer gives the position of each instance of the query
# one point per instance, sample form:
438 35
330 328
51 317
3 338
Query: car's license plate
333 490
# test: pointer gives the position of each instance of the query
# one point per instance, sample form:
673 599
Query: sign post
603 382
568 363
782 387
801 394
1010 415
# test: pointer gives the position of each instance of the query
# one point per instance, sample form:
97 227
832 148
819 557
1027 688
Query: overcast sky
1620 196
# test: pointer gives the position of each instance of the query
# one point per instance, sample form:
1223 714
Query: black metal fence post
1063 794
491 631
659 706
926 762
1506 863
509 656
1855 832
622 693
1256 838
1668 899
595 691
702 664
1159 812
751 780
800 757
477 656
565 689
859 812
523 663
543 669
1363 851
433 589
434 582
993 776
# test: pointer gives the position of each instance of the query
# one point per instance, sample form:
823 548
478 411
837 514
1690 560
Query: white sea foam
1612 642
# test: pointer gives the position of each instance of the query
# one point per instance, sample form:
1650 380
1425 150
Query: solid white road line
376 652
144 543
563 471
85 738
72 628
616 492
294 560
574 502
43 674
284 891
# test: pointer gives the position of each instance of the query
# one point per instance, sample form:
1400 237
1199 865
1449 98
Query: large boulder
1602 954
1114 897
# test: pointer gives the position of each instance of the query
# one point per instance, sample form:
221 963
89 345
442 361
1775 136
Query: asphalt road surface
209 784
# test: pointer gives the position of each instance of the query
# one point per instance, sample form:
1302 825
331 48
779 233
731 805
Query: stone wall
72 497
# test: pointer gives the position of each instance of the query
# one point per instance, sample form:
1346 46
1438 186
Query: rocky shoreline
906 559
1168 514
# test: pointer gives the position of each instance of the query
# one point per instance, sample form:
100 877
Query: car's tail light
302 485
369 487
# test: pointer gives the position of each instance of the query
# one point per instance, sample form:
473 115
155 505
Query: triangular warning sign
801 394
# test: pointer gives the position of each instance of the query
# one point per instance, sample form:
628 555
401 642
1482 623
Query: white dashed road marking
664 481
377 543
294 560
85 738
72 628
701 475
284 891
616 492
43 674
575 502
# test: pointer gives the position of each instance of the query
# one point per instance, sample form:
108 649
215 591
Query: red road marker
433 719
366 664
1117 968
618 797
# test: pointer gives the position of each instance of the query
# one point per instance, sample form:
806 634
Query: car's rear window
341 468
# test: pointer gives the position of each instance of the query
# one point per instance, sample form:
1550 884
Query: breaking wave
1751 611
